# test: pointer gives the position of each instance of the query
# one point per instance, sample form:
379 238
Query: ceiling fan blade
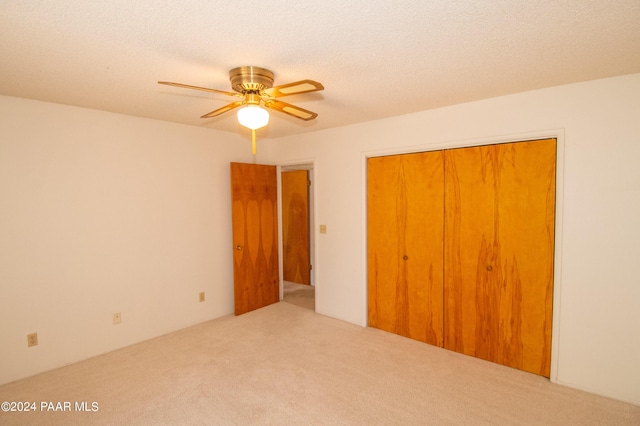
205 89
224 109
293 110
302 86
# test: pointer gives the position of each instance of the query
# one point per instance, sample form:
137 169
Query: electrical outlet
32 339
201 296
117 318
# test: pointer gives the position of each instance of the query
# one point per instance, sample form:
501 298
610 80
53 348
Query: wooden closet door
295 227
405 219
499 249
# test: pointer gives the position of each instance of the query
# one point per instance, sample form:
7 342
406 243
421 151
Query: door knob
238 247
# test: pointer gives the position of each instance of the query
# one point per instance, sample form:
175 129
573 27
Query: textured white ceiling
375 58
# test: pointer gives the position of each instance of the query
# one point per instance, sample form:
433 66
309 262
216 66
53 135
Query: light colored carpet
287 365
300 295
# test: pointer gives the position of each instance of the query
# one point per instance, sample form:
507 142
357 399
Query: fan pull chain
253 141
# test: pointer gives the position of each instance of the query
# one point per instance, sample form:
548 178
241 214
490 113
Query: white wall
597 305
103 213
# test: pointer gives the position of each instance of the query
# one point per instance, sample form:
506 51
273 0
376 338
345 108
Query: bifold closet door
405 219
499 250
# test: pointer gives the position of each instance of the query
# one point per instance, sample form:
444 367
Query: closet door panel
499 227
405 223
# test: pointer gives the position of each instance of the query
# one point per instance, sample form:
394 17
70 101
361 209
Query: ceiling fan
255 86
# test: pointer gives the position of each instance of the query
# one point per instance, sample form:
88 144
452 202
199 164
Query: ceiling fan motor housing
250 79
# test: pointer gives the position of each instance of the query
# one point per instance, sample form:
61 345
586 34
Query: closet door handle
489 268
238 247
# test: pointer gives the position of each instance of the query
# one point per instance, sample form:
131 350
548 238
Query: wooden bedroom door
255 236
295 226
499 252
405 215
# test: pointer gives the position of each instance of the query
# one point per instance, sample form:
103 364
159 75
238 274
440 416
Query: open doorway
297 238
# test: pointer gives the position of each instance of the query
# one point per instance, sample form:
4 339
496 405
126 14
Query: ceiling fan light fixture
253 117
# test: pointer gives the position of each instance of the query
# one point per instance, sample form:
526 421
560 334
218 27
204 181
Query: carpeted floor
300 295
287 365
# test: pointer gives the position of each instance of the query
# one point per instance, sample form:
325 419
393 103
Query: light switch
323 229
